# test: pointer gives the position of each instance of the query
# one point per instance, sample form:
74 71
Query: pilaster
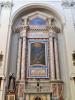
53 50
21 59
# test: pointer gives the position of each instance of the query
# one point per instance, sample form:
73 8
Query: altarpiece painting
38 67
37 53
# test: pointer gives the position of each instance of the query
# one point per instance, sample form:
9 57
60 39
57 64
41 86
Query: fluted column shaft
56 58
51 53
19 59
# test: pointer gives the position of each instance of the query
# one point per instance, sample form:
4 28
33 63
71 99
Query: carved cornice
54 29
53 25
68 3
20 28
38 29
6 4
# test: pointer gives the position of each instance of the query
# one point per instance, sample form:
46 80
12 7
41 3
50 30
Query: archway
47 7
26 34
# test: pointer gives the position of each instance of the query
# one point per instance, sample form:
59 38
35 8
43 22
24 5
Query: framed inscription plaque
38 72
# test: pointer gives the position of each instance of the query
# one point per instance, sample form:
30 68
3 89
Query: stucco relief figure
37 53
11 84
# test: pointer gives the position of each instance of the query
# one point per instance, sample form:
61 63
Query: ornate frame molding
30 67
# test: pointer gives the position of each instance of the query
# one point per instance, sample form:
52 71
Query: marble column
21 51
51 55
56 58
23 57
51 50
23 32
19 59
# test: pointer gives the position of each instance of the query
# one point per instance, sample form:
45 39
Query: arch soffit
38 5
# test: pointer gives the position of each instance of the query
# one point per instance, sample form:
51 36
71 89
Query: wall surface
66 40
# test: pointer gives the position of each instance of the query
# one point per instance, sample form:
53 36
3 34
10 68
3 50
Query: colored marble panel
38 72
21 90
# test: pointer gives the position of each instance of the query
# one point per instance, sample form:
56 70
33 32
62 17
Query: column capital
6 4
52 21
68 4
52 27
24 21
21 29
23 33
1 4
